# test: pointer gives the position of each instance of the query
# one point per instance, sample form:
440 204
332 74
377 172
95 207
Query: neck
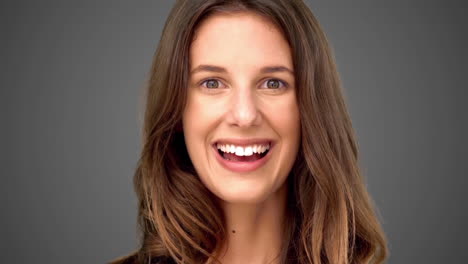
255 231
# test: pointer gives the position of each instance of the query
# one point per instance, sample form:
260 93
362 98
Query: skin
242 103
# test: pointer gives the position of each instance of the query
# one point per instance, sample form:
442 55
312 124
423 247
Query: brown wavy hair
330 216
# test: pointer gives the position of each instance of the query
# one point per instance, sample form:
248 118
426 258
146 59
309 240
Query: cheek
193 127
201 111
285 119
198 120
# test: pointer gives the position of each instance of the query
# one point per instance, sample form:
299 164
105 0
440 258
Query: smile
242 158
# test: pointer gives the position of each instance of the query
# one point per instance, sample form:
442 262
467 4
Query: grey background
72 75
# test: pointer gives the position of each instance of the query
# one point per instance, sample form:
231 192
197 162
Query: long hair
330 216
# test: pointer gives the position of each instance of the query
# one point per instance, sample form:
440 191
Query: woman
249 153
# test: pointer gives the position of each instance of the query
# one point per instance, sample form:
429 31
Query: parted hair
330 215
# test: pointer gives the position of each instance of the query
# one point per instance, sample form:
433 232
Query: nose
243 110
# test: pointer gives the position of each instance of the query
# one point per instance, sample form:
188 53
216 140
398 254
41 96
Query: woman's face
241 122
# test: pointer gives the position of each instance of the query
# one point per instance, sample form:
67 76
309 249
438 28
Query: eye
275 84
211 84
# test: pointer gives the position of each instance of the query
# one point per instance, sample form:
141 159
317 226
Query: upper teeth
243 151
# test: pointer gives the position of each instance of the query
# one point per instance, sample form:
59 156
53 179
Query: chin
243 193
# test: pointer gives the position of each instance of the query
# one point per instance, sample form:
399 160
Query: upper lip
244 141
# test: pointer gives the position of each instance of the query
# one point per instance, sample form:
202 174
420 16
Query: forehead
239 39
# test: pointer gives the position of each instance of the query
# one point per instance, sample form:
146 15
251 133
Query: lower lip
242 166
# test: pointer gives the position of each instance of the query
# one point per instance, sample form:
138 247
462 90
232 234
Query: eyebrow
218 69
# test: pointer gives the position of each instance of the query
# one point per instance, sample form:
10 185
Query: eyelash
283 83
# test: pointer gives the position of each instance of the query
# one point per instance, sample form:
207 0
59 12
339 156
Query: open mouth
243 154
243 158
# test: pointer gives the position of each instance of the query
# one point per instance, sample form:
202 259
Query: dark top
156 260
